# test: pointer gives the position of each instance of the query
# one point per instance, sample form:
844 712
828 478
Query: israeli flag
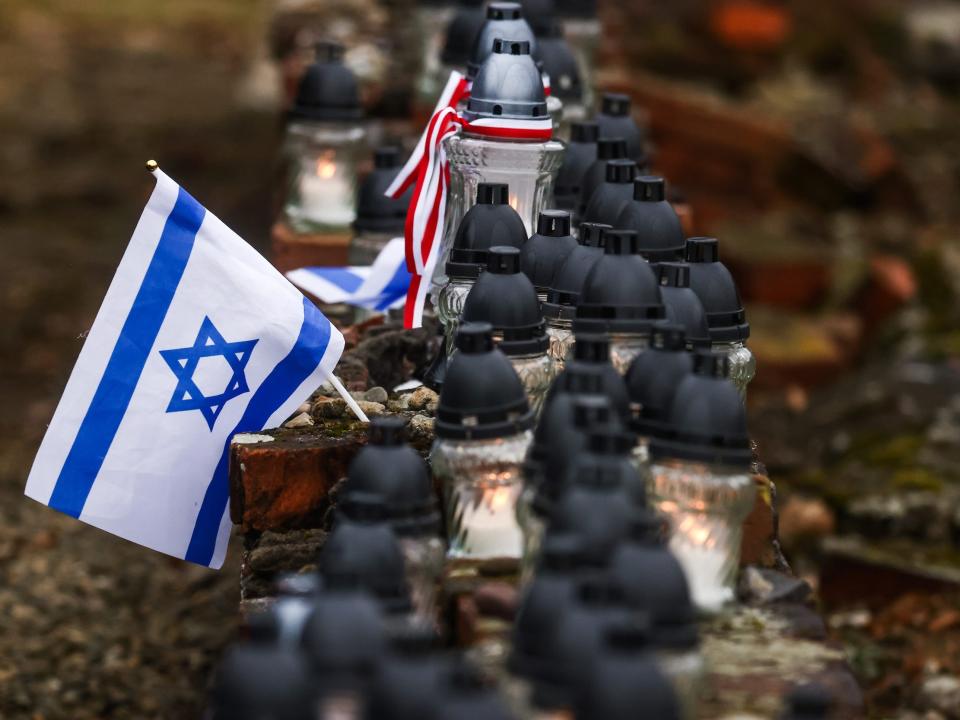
379 287
198 338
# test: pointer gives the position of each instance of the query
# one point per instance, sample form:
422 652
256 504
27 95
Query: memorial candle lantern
504 21
699 478
433 20
580 155
262 679
560 307
625 681
389 469
729 329
615 119
379 218
324 146
546 250
507 93
653 583
620 298
613 194
363 551
491 222
652 381
562 434
608 148
343 639
504 297
682 304
560 65
591 356
483 428
582 29
658 227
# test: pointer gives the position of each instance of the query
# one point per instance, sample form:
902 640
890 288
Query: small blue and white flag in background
198 338
379 287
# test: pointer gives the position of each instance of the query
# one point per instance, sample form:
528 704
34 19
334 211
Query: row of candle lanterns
605 623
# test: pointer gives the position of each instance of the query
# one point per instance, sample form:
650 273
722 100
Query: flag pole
347 398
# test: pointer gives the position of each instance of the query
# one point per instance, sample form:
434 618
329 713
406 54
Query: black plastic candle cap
650 189
511 47
584 132
621 242
611 148
616 104
475 338
593 234
503 260
553 223
702 250
493 194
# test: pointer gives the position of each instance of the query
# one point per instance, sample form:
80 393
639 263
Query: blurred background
819 140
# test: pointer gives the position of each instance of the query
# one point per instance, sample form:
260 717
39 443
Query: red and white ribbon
428 172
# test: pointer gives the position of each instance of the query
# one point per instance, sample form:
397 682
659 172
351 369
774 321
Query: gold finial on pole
152 165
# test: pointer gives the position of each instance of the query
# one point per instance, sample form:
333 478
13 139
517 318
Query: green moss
898 451
917 479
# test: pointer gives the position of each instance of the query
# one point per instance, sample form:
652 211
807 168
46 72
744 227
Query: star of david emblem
207 349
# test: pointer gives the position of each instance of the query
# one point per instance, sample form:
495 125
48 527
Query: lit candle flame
326 168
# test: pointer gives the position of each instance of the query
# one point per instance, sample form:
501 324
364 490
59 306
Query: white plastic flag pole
347 398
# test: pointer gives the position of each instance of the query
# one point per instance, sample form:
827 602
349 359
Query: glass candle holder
481 481
322 179
742 363
706 506
624 347
560 333
536 372
450 307
366 246
423 557
528 168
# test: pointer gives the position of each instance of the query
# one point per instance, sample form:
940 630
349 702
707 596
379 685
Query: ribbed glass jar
742 363
706 506
536 373
560 332
449 304
529 168
423 557
481 481
624 347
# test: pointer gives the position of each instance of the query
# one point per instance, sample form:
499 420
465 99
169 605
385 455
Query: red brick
284 484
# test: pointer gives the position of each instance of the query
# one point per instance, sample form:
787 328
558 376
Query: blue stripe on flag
123 370
395 289
280 384
341 277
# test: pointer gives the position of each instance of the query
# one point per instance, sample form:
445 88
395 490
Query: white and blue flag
379 287
198 338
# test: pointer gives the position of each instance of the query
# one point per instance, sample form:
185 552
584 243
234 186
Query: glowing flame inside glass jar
706 506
